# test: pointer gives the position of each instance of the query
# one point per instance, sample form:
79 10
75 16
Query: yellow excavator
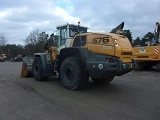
148 56
78 55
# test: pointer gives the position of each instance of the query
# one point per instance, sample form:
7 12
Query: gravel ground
134 96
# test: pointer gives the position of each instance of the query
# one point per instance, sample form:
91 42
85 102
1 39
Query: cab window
63 36
73 30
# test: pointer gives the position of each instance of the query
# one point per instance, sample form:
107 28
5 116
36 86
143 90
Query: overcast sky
19 17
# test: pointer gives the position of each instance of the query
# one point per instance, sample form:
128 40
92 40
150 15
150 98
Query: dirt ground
134 96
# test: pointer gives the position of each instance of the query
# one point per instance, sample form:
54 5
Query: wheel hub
69 75
36 69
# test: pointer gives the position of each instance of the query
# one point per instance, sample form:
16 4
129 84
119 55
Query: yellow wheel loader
3 57
80 54
148 56
18 58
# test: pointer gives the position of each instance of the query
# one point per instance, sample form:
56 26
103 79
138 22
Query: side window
79 41
63 36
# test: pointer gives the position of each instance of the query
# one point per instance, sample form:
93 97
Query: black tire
72 74
102 81
147 67
37 70
138 67
158 67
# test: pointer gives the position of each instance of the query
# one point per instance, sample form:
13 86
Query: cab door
62 36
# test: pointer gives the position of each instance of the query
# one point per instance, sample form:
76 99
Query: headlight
116 44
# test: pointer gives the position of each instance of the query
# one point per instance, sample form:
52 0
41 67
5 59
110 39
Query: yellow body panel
109 44
96 44
146 53
54 52
123 47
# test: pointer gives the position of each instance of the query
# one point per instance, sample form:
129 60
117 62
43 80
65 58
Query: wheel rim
69 75
36 69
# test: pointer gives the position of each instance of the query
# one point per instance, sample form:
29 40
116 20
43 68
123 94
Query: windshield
73 30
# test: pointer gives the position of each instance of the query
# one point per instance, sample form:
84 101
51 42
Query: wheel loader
148 56
79 54
18 58
3 57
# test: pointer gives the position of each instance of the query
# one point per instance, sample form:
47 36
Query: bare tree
35 42
3 40
32 38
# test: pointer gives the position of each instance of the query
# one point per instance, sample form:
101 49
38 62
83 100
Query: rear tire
72 74
102 81
138 67
158 67
37 69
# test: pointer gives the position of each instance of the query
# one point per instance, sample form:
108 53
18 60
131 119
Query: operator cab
66 33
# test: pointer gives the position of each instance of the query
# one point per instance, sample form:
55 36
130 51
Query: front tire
72 74
37 69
